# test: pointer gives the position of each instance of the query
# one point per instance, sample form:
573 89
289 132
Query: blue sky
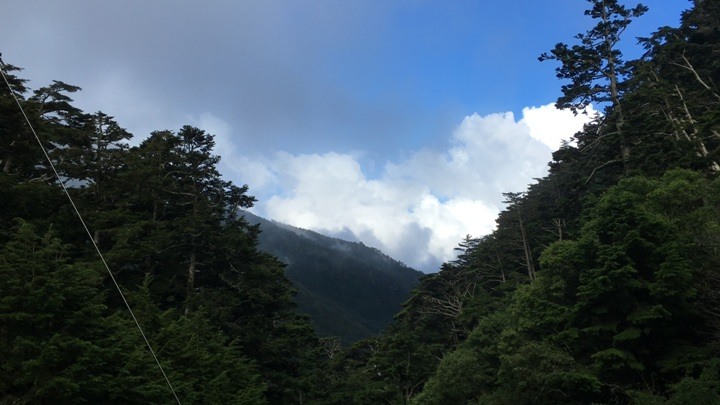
397 123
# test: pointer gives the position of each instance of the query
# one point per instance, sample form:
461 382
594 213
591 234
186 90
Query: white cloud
224 144
419 208
552 126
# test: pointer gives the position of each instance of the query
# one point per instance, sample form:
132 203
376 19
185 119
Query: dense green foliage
349 290
601 283
219 313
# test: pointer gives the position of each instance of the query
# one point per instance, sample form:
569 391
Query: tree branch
600 167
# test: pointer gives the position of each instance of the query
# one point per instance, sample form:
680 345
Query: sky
395 123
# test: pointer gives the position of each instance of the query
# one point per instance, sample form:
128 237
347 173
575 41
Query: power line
87 230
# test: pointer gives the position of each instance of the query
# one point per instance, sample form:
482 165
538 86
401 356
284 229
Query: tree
456 381
56 341
207 367
351 377
515 207
12 127
679 81
18 150
635 290
52 103
595 67
221 312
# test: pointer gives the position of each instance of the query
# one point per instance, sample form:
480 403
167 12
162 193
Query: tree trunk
615 94
190 288
702 149
526 249
8 164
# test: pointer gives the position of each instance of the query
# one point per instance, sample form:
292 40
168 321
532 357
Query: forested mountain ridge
350 291
600 284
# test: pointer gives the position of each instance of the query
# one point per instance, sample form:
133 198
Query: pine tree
56 341
595 66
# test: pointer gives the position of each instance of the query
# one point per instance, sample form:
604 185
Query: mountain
349 290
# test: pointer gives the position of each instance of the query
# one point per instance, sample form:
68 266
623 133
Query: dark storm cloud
266 67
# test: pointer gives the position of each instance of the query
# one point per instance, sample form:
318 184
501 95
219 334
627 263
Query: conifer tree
595 66
56 341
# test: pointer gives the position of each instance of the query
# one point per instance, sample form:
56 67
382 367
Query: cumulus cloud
552 126
419 208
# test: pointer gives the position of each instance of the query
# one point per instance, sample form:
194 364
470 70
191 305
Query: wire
87 230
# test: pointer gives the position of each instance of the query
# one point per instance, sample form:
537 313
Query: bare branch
689 66
600 167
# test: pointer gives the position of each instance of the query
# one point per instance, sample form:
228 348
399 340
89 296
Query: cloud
551 126
381 77
417 209
286 75
273 70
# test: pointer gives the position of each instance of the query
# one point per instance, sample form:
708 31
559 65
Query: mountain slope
350 290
